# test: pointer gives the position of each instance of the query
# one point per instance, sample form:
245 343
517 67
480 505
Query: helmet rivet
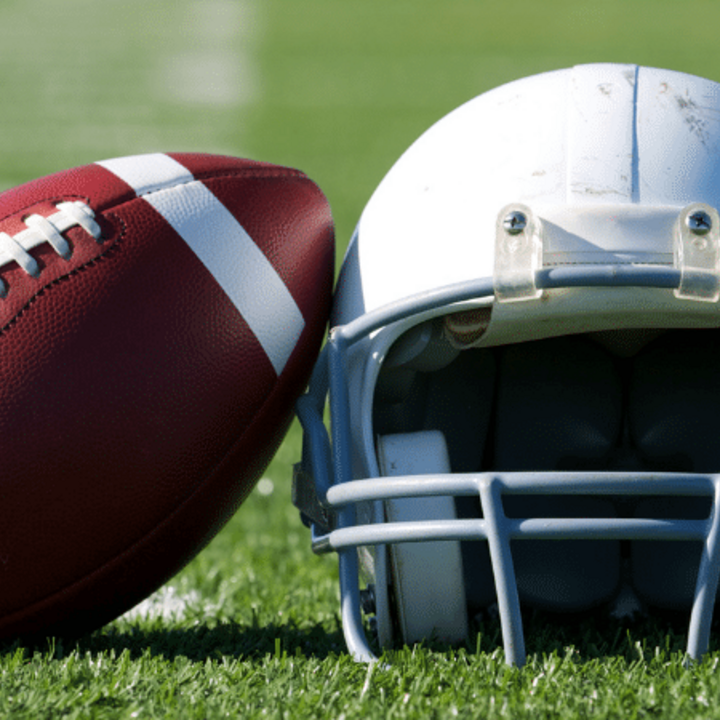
699 222
515 222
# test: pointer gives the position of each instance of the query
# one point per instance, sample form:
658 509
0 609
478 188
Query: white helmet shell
605 156
572 202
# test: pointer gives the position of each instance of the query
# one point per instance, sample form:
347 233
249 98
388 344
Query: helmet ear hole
427 577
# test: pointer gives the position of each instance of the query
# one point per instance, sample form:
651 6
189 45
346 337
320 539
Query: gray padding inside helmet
559 406
664 573
457 400
460 403
569 403
673 401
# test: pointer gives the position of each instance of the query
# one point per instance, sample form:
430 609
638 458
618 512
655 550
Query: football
159 316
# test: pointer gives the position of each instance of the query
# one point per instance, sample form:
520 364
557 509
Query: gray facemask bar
325 492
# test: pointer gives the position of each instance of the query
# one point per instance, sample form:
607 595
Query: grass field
250 628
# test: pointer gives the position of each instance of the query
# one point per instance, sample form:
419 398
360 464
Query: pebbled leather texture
137 407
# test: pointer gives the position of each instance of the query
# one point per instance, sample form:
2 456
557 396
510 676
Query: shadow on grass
597 635
592 635
197 643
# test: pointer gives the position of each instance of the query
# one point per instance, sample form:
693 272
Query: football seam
63 278
249 173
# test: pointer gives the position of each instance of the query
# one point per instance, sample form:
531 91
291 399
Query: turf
250 628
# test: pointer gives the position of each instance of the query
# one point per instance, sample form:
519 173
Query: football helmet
523 365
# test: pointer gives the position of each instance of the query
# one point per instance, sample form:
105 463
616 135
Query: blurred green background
336 88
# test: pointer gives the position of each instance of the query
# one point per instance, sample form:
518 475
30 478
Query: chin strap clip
697 253
518 254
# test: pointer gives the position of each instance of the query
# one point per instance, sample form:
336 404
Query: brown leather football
159 316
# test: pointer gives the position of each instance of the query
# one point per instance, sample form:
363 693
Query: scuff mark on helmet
582 188
693 118
630 76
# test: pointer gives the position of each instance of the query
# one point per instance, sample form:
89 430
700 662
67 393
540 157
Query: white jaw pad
428 576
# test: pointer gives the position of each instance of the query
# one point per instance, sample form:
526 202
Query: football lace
40 229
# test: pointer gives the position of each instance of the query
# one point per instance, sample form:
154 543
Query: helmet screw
699 222
515 222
